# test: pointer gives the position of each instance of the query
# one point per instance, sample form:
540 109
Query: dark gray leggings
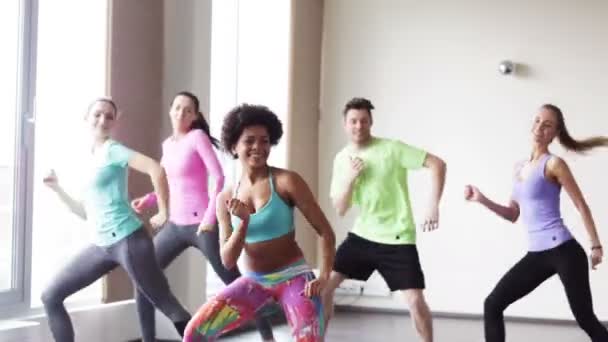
170 242
135 254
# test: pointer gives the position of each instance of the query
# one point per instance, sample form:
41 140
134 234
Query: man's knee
415 301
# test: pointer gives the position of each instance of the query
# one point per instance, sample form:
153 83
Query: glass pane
249 63
263 61
9 40
71 71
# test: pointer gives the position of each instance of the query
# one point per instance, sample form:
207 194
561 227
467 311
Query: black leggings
569 262
170 242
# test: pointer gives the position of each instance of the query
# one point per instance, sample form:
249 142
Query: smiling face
253 146
101 118
183 113
545 127
357 125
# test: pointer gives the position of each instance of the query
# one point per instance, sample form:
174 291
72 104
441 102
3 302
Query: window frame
16 299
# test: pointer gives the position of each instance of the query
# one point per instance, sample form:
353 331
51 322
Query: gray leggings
170 242
135 254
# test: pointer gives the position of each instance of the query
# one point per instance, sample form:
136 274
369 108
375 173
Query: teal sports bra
273 220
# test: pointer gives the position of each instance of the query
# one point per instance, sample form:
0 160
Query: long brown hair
566 140
199 122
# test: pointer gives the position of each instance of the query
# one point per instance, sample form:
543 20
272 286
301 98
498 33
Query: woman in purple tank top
551 248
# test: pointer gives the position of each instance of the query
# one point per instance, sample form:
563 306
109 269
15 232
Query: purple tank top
539 205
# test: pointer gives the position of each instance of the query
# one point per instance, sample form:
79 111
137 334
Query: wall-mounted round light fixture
506 67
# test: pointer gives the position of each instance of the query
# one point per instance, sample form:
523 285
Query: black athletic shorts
399 265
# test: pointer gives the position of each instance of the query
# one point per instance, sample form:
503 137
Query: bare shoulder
556 163
556 168
287 178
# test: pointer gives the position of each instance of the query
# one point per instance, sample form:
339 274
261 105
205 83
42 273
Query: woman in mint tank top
256 222
120 236
190 161
552 250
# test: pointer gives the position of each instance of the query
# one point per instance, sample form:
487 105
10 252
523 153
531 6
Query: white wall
430 68
187 52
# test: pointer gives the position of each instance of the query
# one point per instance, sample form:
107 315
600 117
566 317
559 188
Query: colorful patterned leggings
239 302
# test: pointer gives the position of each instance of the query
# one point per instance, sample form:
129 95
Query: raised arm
231 242
207 154
559 170
509 212
438 171
152 168
305 201
146 201
343 184
52 181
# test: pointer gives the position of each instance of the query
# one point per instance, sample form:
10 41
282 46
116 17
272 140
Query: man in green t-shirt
371 173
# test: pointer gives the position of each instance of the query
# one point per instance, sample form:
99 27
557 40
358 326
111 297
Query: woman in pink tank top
551 248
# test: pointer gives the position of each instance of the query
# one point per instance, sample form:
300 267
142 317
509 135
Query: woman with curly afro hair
255 217
191 164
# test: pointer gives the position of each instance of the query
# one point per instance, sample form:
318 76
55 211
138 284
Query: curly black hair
247 115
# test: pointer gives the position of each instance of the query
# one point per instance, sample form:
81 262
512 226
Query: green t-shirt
106 201
381 190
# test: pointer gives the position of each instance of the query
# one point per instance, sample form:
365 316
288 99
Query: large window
14 141
53 63
250 62
250 46
9 34
71 71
